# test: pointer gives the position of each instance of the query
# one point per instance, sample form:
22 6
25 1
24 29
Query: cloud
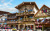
40 5
2 1
0 5
5 7
11 10
6 4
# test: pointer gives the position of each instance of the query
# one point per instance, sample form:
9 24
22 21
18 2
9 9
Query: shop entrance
17 27
29 27
11 26
21 26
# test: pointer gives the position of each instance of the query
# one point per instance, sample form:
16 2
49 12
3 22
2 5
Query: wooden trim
40 9
26 3
43 16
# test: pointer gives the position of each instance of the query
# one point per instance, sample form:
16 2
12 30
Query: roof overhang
40 9
26 3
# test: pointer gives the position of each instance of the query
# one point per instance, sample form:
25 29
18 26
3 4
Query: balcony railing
2 21
28 19
24 13
11 21
11 17
14 21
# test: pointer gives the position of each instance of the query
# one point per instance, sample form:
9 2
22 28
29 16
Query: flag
35 19
43 19
46 19
1 19
20 18
46 10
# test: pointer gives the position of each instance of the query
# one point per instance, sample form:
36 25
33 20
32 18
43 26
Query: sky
9 5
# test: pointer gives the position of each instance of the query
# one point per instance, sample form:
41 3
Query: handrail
27 19
25 13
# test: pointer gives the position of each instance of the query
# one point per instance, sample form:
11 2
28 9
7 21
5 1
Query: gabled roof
26 3
44 6
3 12
41 8
13 13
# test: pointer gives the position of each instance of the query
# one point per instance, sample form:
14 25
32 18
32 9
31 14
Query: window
44 10
22 11
30 10
21 18
26 10
5 14
11 20
1 19
5 19
16 20
0 15
31 17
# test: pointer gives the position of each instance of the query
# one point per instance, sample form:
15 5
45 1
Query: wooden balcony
11 17
2 21
28 19
18 14
24 13
47 21
28 13
31 12
13 22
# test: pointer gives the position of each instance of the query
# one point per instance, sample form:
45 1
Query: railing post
34 27
42 28
19 26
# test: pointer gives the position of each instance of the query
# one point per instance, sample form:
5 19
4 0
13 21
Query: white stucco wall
35 9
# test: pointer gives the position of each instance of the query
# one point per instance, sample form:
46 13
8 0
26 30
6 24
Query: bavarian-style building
29 17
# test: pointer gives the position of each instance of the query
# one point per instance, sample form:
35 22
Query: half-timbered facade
25 18
29 17
42 17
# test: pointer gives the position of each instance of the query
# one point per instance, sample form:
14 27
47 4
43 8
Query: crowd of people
7 27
